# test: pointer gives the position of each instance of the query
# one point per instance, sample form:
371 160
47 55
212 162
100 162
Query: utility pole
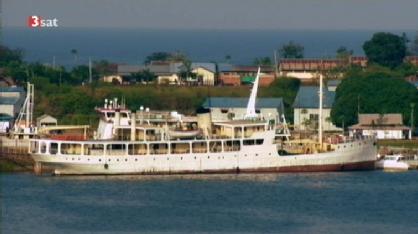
90 71
412 120
358 108
276 73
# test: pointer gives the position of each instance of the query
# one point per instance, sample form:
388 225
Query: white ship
137 143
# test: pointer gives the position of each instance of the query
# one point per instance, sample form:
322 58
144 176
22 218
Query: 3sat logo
35 21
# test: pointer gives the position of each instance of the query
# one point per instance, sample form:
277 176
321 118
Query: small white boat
392 163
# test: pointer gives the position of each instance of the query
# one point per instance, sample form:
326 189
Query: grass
411 144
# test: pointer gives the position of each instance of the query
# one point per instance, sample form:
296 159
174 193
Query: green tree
414 45
344 53
144 76
291 50
74 52
81 74
263 61
385 49
10 55
381 91
104 67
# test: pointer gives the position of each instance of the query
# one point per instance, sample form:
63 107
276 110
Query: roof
44 116
208 66
378 119
8 100
308 97
225 67
157 67
128 69
5 117
12 89
333 82
241 102
392 121
248 79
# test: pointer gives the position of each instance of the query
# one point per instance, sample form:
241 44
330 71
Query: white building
382 126
306 109
229 108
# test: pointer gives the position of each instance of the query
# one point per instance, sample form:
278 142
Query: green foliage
344 53
286 88
104 67
143 76
9 55
165 56
291 50
385 49
414 45
376 90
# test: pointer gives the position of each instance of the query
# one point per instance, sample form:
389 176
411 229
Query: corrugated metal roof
241 102
308 97
8 100
11 89
208 66
225 67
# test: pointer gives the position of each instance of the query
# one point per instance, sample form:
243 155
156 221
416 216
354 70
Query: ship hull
251 160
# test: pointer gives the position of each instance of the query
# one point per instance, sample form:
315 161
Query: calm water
133 45
361 202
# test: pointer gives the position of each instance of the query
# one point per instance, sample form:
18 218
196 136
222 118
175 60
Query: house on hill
233 75
306 109
306 69
46 120
382 126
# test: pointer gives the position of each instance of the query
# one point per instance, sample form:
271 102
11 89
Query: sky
219 14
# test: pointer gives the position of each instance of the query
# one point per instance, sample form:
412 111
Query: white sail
250 113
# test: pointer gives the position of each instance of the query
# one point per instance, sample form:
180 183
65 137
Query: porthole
256 155
208 157
117 160
100 160
136 160
194 157
126 159
181 158
168 159
109 160
72 159
88 159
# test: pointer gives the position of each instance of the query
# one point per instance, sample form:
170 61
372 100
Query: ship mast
250 113
321 94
